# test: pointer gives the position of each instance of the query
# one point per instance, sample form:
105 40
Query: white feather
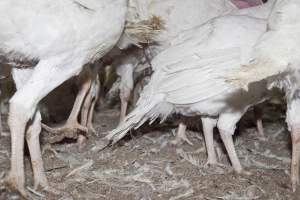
277 51
187 77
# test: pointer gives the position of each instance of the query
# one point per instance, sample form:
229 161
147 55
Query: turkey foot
12 183
181 136
70 130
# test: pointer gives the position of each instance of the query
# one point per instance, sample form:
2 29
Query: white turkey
168 13
277 59
175 23
60 36
148 21
261 11
187 80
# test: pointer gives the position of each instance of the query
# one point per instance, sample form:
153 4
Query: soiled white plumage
57 36
184 15
277 50
175 22
176 17
61 36
277 59
173 14
187 78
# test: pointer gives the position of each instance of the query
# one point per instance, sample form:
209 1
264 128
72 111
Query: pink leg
181 135
228 142
23 105
295 134
293 121
88 111
1 128
17 123
92 107
124 96
82 139
32 137
124 105
226 125
208 130
258 117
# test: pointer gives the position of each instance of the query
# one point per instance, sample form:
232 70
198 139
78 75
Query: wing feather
199 76
193 70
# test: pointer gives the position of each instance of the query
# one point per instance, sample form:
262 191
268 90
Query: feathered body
169 18
170 13
61 36
183 15
276 52
187 77
277 60
175 15
43 29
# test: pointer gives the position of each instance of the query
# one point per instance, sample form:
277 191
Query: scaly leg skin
259 125
293 121
82 139
208 130
124 104
32 138
17 121
295 135
124 96
90 117
228 142
1 128
88 111
16 177
92 107
72 128
89 105
32 86
181 136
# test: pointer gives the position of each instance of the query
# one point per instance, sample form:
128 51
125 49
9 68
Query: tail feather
146 110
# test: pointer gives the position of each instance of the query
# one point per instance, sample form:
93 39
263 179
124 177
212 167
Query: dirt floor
147 166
